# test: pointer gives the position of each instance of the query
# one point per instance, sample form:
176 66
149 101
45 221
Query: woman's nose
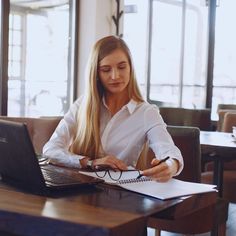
114 74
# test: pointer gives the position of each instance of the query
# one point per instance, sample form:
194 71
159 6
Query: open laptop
19 165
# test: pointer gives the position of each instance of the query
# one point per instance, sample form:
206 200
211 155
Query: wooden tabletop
90 211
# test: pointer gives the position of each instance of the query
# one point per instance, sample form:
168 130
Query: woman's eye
105 70
122 66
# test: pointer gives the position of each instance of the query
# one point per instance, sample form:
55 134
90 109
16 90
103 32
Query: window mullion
182 51
211 47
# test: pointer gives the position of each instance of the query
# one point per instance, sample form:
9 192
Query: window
224 76
40 58
177 46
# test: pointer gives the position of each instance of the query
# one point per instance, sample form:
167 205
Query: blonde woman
110 123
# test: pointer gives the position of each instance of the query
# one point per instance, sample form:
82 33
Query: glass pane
10 37
136 14
17 37
165 52
40 63
9 58
16 53
224 78
10 21
14 92
14 69
178 53
17 22
41 101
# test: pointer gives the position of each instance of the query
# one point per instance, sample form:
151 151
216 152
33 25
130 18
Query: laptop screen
19 164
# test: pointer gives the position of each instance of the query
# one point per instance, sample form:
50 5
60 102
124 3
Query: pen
161 161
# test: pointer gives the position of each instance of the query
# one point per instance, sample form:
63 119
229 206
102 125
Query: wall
95 22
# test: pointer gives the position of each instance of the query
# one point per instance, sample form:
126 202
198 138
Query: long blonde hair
87 141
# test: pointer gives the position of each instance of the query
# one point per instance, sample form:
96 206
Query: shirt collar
131 105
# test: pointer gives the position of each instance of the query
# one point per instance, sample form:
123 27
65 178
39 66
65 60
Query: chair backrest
173 115
226 107
221 110
221 115
188 141
228 122
177 116
40 129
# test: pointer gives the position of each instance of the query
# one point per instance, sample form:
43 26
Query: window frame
72 57
210 54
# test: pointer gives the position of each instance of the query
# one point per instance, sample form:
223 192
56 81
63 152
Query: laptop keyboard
58 178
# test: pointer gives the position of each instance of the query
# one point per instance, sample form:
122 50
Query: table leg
218 175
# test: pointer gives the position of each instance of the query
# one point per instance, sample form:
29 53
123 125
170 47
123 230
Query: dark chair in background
178 116
204 220
226 107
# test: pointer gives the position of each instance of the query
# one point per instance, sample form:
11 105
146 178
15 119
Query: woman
111 122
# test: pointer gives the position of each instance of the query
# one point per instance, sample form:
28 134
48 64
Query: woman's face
114 72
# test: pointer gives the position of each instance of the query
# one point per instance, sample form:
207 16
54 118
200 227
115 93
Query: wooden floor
231 225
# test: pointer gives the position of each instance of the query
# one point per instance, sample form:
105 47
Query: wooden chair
221 115
178 116
204 220
222 109
229 182
226 107
229 121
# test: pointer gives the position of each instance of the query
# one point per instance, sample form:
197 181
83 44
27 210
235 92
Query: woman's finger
112 161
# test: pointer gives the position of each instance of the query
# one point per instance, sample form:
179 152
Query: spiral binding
128 181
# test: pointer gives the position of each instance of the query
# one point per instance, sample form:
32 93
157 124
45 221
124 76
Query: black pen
161 161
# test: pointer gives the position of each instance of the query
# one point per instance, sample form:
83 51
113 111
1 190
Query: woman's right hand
110 161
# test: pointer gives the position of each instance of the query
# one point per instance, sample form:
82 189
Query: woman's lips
115 84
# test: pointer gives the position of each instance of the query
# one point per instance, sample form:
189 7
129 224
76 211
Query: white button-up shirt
122 135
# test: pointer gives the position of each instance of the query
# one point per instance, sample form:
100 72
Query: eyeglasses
113 174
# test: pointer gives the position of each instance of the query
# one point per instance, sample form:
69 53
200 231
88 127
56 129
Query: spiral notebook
147 186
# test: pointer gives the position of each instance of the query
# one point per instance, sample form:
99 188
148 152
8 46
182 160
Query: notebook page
167 190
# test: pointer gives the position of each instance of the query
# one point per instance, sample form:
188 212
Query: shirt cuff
170 162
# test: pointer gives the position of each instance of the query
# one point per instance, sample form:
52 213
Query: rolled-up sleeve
57 148
160 140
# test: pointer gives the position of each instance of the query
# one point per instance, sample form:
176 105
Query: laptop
20 166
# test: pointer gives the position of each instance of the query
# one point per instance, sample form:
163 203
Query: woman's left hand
161 172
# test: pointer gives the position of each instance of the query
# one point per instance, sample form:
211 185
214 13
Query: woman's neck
116 102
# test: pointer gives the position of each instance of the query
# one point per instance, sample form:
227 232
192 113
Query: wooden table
91 211
218 147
